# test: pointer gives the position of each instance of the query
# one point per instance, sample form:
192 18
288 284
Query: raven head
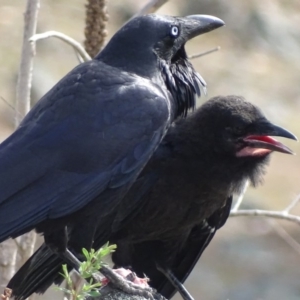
152 46
236 137
239 129
179 75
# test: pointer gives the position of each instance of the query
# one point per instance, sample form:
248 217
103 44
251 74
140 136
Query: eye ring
174 31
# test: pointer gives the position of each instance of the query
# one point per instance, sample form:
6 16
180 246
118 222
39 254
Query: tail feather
39 272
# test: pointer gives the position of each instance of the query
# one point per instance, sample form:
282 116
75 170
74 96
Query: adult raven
79 149
180 199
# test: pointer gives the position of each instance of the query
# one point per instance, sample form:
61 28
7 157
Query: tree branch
26 65
241 196
76 45
282 233
27 241
282 215
292 204
151 7
193 56
8 249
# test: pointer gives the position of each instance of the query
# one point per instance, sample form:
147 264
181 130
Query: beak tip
280 131
218 22
207 21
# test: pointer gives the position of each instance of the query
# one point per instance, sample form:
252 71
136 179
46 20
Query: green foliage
93 262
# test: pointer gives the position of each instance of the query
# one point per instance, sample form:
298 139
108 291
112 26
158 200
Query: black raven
179 200
79 149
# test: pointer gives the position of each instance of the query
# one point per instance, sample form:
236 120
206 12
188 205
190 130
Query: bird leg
176 283
70 259
122 279
125 281
57 241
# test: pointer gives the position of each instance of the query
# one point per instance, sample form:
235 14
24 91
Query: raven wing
93 131
197 241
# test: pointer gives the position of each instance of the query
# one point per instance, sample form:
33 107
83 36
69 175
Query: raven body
180 199
82 145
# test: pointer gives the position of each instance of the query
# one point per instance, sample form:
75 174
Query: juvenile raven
179 200
79 149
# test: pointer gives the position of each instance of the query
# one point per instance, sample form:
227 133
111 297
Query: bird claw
128 282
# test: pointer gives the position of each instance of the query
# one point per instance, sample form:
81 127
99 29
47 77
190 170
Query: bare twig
76 45
282 233
282 215
95 28
292 204
204 53
8 249
151 7
26 65
7 103
241 196
27 241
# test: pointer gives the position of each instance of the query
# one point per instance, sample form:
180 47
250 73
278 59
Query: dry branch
26 65
27 241
70 41
197 55
151 7
241 196
8 248
281 215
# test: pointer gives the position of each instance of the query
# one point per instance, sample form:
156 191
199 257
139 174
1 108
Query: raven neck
179 76
183 82
130 60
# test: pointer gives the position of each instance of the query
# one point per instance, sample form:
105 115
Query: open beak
262 143
195 25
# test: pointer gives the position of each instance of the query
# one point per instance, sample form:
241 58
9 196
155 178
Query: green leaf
94 293
85 253
93 262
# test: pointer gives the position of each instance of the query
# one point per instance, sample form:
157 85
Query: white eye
174 31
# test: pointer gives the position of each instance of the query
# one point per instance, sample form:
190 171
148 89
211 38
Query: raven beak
195 25
262 143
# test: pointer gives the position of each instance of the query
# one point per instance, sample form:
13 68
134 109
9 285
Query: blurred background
250 258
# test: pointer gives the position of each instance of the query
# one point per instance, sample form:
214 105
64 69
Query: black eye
174 31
